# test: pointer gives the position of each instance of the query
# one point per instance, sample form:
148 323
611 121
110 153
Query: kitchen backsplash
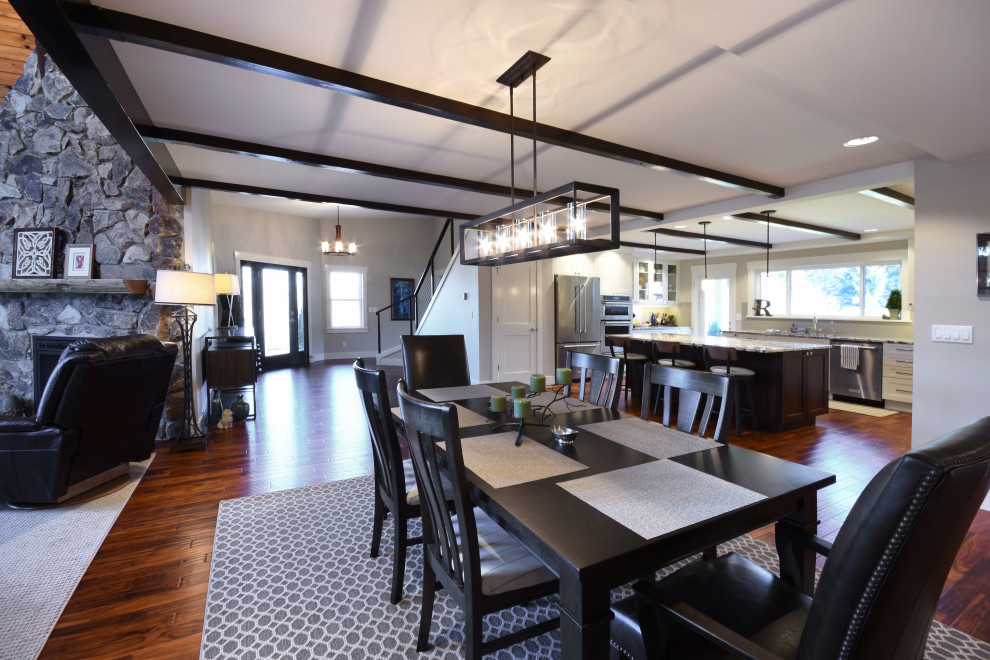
682 312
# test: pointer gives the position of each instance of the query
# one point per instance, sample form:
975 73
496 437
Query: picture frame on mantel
401 287
34 253
79 261
983 264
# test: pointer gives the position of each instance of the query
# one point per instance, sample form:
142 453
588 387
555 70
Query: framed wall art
401 287
79 260
34 253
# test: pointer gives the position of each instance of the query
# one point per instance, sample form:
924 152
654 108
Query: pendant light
706 283
338 244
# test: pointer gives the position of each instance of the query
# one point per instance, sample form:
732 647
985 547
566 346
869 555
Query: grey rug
43 555
291 578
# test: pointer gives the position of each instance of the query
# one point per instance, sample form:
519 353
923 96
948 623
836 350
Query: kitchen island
790 388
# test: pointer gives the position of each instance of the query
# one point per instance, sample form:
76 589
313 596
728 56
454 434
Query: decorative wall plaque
983 264
34 253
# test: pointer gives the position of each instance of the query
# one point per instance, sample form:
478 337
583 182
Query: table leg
585 613
797 561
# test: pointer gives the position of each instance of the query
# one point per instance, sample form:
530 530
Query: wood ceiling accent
661 248
256 150
16 43
794 224
120 26
711 237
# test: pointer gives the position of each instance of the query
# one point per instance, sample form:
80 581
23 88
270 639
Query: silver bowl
563 434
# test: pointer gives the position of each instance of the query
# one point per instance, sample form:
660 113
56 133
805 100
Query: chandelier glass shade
338 249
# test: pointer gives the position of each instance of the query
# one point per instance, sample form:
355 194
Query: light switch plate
953 334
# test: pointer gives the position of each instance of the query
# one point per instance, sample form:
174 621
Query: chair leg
473 640
426 611
399 543
752 408
737 412
376 529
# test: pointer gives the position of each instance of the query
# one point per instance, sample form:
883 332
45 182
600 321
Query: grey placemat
497 460
562 406
459 393
465 417
660 497
650 438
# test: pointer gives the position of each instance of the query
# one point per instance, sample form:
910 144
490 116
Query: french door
276 312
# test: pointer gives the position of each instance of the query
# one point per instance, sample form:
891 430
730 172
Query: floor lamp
228 286
185 288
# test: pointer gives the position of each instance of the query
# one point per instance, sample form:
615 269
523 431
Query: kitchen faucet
814 327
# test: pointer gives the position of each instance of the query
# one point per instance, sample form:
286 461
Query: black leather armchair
878 589
100 409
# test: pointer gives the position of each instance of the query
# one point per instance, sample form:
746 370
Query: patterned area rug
860 409
43 555
291 578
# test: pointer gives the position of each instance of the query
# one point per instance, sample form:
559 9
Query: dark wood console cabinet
231 365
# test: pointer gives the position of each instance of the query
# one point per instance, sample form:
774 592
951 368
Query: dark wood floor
144 594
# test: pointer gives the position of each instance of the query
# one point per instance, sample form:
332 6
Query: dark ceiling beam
52 29
255 150
890 196
661 248
119 26
320 199
711 237
794 224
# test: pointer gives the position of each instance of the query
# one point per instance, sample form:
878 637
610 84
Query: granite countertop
770 335
744 345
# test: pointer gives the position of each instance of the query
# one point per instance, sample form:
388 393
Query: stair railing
413 298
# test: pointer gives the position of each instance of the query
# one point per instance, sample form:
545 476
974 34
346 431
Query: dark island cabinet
804 387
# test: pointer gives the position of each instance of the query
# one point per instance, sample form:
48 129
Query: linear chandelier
545 226
338 249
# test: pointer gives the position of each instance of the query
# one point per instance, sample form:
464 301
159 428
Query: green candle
518 391
522 408
563 376
498 403
538 383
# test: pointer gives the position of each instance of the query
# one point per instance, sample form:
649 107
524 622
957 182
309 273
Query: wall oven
617 318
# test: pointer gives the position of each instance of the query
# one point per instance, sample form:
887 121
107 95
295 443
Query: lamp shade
183 287
227 284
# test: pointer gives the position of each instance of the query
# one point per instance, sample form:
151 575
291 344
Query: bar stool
635 354
728 357
665 354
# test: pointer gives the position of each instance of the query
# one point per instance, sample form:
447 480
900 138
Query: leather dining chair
395 482
430 361
690 386
481 566
597 377
878 589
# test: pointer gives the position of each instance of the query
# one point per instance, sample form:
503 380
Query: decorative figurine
226 420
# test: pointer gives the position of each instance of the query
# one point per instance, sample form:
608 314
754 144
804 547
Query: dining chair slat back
455 538
597 377
695 390
430 361
391 479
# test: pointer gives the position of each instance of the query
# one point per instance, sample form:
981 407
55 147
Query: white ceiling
767 90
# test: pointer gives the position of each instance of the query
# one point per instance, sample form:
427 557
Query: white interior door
515 292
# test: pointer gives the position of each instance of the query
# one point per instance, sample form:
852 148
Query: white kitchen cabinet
656 283
577 264
615 269
898 372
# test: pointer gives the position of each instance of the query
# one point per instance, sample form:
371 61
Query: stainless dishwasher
866 380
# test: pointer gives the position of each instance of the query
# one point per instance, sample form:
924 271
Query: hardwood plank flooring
144 595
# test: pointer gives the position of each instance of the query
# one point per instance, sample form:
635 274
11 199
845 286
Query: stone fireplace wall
61 168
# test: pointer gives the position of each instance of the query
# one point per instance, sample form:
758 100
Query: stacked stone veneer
61 168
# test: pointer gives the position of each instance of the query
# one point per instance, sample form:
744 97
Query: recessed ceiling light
868 231
680 226
860 141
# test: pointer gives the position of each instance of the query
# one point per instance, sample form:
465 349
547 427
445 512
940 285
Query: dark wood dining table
592 554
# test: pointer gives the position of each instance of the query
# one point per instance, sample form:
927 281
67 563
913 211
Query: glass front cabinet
656 283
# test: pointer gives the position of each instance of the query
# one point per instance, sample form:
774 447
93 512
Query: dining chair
395 481
434 361
690 385
728 357
598 378
481 566
665 353
635 354
878 589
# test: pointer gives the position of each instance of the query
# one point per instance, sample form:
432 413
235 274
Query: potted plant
894 304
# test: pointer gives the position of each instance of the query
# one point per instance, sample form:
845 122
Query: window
345 299
850 290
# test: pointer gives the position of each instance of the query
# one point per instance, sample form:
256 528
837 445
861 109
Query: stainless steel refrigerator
577 315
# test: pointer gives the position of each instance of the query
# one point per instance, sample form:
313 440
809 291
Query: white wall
464 307
197 248
950 380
